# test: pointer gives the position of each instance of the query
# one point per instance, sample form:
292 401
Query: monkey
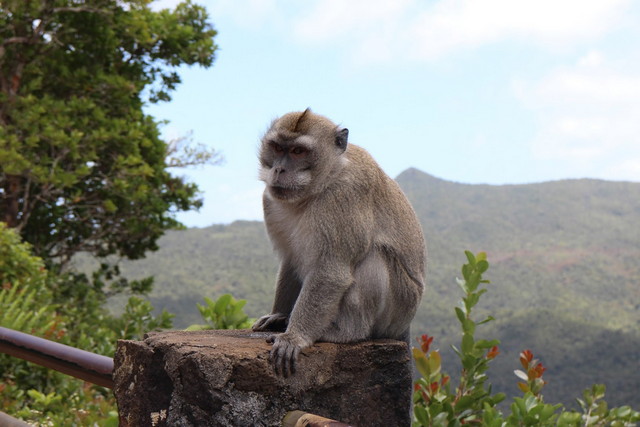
352 252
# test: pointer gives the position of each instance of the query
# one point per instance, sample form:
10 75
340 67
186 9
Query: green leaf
468 326
109 206
497 398
482 266
470 301
547 412
422 364
435 362
466 271
622 412
421 415
222 303
464 403
598 391
473 281
470 257
467 343
486 344
488 319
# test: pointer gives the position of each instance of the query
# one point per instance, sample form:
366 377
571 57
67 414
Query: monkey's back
374 214
397 225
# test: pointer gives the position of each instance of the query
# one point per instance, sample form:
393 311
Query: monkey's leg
364 303
317 306
287 290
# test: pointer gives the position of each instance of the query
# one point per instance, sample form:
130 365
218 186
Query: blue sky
472 91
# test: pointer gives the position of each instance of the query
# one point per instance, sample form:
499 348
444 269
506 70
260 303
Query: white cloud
589 117
454 24
428 30
332 19
374 30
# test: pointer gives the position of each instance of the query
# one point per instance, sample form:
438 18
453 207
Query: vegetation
472 401
83 169
43 395
224 313
40 394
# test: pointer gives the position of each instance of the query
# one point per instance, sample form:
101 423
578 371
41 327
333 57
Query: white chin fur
302 178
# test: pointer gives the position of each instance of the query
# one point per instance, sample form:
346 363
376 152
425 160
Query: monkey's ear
341 138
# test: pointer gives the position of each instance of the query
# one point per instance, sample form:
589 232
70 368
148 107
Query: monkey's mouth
285 193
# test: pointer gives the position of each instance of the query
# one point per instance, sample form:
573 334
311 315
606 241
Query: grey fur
351 247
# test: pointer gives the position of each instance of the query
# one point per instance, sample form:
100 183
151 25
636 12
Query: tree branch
16 39
80 9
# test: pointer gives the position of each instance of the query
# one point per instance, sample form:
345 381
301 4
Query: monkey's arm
316 307
287 289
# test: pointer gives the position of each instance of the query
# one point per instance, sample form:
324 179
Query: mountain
565 275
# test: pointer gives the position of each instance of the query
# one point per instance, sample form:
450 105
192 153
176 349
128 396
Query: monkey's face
286 167
298 153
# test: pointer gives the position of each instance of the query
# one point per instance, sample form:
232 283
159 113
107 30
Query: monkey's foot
271 322
284 353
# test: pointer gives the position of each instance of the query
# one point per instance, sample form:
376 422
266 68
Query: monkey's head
298 153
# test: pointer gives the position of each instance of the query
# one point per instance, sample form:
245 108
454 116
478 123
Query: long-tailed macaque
351 247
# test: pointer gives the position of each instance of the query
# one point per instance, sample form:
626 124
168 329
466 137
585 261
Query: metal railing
85 365
304 419
7 420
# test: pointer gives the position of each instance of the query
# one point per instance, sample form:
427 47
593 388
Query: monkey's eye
299 151
277 148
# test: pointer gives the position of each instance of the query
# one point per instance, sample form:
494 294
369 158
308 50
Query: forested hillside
564 270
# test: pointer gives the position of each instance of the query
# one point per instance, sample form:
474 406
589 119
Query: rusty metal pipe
7 420
304 419
85 365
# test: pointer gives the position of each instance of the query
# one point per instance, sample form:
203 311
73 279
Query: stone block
224 378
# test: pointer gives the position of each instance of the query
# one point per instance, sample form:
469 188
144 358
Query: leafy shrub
224 313
471 402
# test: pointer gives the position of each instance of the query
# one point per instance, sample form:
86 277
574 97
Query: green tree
82 167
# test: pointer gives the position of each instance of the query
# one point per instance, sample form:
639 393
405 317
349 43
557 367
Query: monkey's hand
284 353
271 322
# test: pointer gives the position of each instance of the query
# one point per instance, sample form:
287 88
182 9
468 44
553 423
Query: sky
471 91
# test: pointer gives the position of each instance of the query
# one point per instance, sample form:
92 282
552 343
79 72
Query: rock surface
223 378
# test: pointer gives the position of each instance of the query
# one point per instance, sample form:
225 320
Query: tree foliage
82 167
